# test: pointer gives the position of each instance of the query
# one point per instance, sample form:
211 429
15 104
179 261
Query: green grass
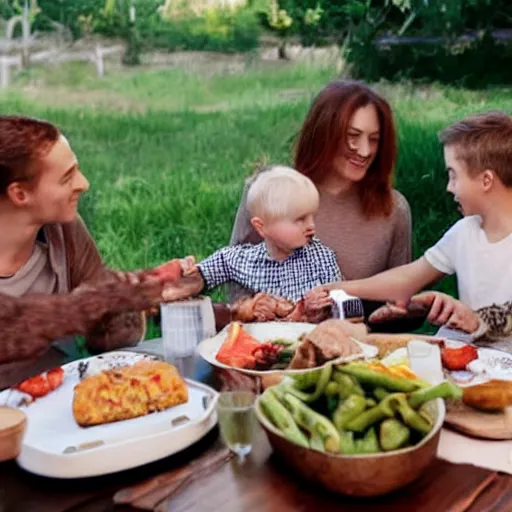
167 151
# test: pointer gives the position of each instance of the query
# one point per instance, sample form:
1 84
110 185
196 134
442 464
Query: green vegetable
284 341
398 402
364 420
347 410
380 393
370 416
317 443
306 380
332 389
314 423
347 443
393 434
347 385
332 403
281 418
370 402
443 390
323 379
369 443
374 378
285 355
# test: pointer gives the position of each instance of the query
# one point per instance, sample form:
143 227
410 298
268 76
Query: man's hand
448 311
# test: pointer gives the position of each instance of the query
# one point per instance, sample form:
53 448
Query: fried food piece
494 395
125 393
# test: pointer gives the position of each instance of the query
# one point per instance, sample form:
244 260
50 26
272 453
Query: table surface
261 483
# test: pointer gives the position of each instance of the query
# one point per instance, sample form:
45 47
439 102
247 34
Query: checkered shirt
252 267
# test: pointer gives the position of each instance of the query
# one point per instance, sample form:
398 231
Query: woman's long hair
325 130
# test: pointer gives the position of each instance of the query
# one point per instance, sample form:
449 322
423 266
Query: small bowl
359 475
12 428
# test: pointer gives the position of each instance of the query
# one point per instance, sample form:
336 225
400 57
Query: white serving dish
56 446
265 331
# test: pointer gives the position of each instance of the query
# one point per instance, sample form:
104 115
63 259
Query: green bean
321 383
347 385
317 443
281 418
370 402
411 418
443 390
347 410
369 443
370 416
380 393
374 378
314 423
347 443
393 434
332 389
365 419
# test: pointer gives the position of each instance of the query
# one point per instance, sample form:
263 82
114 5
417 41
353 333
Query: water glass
237 421
184 325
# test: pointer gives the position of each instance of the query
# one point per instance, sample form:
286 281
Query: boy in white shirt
478 248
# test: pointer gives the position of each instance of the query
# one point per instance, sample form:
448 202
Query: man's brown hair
23 140
483 141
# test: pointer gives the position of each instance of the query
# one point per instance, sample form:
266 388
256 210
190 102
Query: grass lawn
167 151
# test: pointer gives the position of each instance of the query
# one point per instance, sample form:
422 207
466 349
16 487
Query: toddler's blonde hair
281 192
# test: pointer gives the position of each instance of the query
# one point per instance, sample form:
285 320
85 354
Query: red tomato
42 384
458 358
55 377
36 387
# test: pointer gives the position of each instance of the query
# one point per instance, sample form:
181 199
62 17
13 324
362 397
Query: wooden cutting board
486 425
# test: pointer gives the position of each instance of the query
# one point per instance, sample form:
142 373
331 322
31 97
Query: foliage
451 42
225 30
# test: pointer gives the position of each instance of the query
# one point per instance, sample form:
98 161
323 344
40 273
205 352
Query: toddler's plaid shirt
252 267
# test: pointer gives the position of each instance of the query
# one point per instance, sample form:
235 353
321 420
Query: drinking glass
184 325
237 421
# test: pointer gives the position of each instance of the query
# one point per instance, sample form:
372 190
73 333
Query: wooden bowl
359 475
12 428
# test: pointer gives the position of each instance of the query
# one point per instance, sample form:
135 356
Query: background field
167 151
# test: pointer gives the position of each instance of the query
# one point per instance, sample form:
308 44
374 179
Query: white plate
491 364
267 331
56 446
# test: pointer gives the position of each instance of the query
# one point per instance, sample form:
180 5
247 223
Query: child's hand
446 310
188 266
317 299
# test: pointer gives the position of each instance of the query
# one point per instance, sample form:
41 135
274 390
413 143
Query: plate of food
109 413
469 365
285 348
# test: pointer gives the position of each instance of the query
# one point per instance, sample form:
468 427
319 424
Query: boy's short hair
279 192
483 141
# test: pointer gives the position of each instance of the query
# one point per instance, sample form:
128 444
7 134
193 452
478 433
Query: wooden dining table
262 482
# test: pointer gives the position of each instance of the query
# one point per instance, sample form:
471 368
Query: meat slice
329 340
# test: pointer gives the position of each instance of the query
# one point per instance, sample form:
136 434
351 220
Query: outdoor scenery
170 105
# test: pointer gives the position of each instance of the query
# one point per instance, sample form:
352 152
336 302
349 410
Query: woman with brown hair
347 146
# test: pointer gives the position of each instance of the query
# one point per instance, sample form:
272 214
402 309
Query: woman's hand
448 311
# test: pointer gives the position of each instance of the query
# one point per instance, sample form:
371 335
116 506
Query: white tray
56 446
265 331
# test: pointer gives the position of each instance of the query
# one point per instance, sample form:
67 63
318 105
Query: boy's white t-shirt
484 270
